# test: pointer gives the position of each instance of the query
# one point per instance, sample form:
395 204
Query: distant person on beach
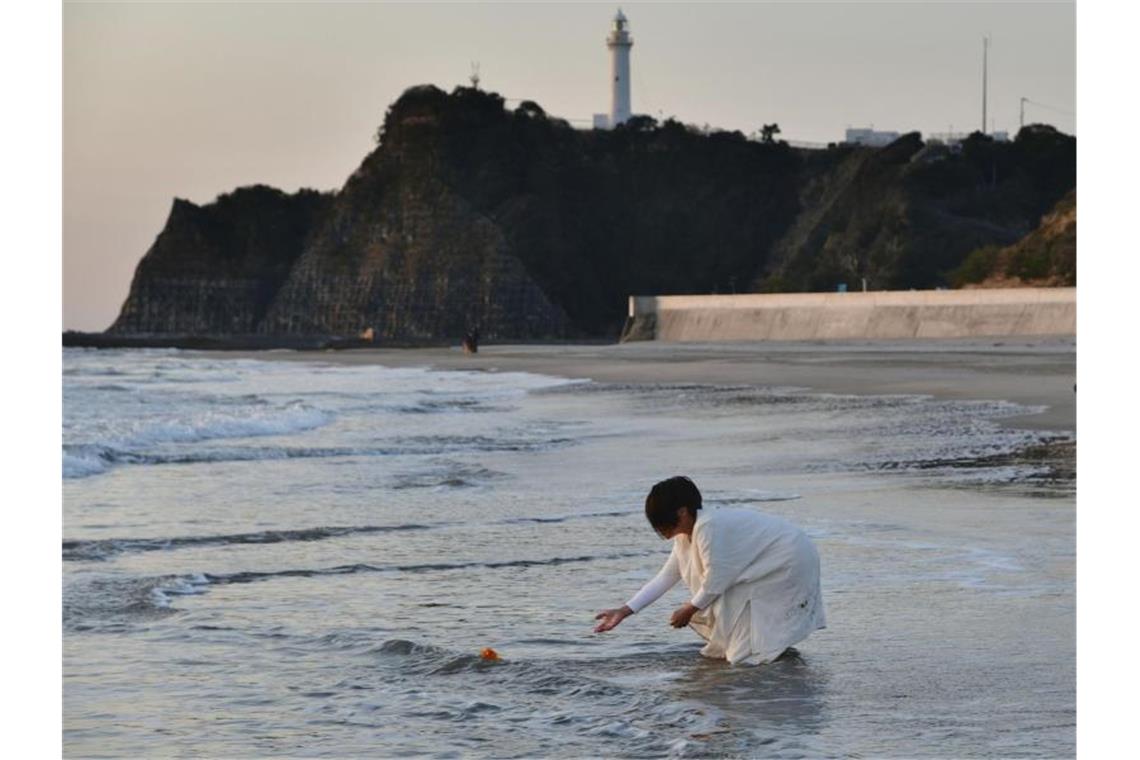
754 577
471 342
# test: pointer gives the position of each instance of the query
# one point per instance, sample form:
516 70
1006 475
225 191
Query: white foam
188 585
248 422
174 401
76 466
175 426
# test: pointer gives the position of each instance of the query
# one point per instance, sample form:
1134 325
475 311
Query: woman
754 578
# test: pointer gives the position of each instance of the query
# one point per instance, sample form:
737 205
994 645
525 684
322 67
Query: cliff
468 214
404 252
907 215
1046 257
215 269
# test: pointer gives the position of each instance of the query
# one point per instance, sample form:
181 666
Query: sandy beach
1031 371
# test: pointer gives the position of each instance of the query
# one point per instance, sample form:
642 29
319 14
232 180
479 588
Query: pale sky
190 100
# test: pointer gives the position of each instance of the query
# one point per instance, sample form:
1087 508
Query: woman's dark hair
666 499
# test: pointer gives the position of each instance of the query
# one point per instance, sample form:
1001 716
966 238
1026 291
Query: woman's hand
682 614
611 618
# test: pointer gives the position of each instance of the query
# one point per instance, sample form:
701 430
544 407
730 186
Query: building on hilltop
871 137
877 139
619 42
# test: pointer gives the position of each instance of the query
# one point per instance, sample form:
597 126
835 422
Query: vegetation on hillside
1046 257
908 215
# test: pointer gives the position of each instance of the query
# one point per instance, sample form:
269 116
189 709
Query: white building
870 137
619 42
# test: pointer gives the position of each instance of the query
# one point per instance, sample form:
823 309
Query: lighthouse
619 42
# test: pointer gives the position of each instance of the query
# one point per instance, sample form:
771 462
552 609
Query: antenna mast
985 76
474 74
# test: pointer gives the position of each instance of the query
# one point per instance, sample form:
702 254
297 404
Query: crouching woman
754 578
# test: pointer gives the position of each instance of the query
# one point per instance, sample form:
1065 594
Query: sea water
271 558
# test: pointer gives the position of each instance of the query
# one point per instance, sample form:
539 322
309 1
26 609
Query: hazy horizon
194 100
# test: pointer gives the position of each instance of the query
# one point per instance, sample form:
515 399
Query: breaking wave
133 445
81 460
116 603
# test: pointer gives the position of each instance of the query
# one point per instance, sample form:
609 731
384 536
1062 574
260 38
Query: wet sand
1031 371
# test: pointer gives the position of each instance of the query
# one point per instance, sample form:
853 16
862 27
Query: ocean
286 558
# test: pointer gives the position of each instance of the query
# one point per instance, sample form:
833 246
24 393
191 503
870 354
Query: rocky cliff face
470 215
404 255
215 269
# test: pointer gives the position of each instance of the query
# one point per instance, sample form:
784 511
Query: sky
194 99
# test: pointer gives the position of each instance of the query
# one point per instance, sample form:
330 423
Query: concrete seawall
839 316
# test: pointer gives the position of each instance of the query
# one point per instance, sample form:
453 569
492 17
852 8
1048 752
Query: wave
253 419
362 567
113 388
564 518
442 406
637 512
608 699
82 460
117 603
1003 457
77 465
751 499
447 474
443 444
102 549
115 411
563 677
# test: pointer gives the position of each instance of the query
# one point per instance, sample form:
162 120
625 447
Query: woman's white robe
755 579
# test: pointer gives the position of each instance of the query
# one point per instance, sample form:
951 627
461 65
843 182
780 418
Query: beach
1030 371
304 553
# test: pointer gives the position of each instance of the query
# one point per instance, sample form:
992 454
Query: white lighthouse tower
619 42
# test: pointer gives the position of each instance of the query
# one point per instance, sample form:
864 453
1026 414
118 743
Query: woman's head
665 501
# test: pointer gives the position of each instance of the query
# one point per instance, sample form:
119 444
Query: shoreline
1028 371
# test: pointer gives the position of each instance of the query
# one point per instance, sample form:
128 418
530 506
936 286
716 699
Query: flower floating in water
490 655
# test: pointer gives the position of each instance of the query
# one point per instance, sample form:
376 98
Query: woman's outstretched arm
649 593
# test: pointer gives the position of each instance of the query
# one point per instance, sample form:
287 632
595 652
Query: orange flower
489 654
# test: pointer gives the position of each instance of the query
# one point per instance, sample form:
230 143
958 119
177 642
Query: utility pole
1021 122
985 76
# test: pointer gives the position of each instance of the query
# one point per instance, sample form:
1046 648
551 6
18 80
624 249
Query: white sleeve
657 587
